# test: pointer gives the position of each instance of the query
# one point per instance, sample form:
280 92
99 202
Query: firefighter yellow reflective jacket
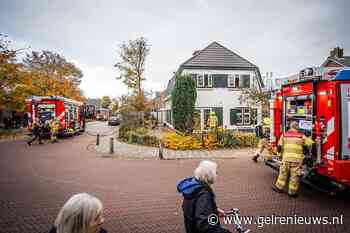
292 143
213 121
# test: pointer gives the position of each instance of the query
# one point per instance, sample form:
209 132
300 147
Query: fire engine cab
320 103
69 113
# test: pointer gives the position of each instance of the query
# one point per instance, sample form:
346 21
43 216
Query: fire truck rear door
345 120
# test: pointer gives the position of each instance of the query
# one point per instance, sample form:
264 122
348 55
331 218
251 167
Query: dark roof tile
216 55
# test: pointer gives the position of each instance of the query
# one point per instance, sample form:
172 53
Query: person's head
294 125
82 213
206 172
212 113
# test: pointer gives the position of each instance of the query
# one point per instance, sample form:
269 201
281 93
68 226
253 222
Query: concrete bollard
111 145
161 151
97 139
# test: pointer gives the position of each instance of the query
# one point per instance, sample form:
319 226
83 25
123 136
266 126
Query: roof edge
333 60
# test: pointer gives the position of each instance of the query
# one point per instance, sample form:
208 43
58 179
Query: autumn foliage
209 141
39 73
177 141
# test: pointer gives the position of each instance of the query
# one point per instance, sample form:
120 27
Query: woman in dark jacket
201 214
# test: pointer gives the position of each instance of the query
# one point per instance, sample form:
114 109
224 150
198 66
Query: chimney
337 52
195 52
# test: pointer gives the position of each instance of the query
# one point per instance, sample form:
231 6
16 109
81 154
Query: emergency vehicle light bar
343 74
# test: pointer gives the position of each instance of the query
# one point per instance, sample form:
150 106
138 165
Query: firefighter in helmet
291 144
54 129
263 133
37 131
213 121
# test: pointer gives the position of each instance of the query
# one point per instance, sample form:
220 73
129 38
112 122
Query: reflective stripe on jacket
292 146
213 121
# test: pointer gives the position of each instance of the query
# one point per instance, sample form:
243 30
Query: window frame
243 113
241 83
237 81
210 80
198 77
231 80
204 77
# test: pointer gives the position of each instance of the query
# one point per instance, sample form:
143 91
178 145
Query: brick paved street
139 195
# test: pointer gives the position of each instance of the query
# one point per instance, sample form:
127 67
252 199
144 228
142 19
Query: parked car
114 120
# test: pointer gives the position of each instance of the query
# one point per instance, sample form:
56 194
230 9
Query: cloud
99 81
278 36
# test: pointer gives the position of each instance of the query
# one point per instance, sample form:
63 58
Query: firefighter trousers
262 144
36 136
53 136
291 170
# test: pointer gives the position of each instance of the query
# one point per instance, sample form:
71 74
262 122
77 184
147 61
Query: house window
245 81
200 80
210 80
246 116
204 80
237 80
231 80
242 116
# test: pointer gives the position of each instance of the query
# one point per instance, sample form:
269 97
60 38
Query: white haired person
82 213
199 205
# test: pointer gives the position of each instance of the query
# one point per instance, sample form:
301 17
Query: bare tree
132 65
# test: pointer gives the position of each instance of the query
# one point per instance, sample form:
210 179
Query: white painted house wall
227 98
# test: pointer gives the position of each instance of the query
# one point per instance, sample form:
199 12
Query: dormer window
245 81
208 80
231 80
204 80
200 80
237 80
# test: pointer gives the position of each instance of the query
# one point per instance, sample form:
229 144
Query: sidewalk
126 150
6 134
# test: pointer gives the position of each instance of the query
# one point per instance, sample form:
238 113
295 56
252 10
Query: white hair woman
199 205
82 213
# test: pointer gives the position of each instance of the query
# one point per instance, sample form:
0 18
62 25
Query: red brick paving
139 195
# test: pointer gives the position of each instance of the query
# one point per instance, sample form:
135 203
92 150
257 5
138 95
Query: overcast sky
278 36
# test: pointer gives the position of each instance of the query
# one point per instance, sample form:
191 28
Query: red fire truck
69 113
320 103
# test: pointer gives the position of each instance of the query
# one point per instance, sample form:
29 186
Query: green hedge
137 136
230 139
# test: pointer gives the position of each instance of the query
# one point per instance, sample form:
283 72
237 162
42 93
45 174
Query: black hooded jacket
198 204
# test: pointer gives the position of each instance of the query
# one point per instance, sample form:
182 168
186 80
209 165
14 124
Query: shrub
124 132
227 140
150 140
181 142
137 136
141 130
211 141
245 139
224 139
183 99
